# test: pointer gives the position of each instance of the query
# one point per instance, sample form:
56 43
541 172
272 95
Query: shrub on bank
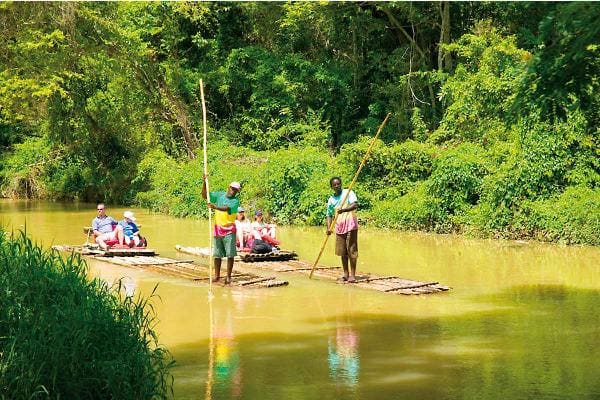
64 336
573 217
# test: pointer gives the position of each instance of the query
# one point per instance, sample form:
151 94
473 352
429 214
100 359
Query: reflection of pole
211 350
210 232
334 219
211 355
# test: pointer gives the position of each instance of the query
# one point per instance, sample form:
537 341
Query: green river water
521 320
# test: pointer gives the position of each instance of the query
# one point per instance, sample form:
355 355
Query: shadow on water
542 344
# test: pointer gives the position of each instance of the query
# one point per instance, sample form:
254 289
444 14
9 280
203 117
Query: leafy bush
296 184
572 217
456 181
413 211
390 171
23 172
64 336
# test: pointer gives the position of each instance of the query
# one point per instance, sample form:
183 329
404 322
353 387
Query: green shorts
346 245
224 246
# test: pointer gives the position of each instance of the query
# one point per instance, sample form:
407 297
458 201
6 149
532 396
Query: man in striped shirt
346 226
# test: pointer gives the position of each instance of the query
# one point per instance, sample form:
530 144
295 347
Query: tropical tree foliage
494 107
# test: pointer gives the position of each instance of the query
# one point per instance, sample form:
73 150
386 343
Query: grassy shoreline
63 335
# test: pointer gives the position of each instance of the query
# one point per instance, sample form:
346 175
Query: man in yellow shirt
226 206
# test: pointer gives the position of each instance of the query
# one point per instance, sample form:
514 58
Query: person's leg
229 270
217 276
352 250
340 250
345 267
352 277
136 240
127 241
101 240
240 239
101 243
218 252
118 232
230 253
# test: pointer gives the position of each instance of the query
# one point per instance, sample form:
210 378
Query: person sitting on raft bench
264 231
105 228
131 232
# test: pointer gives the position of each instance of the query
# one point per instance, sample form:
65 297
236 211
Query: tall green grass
65 336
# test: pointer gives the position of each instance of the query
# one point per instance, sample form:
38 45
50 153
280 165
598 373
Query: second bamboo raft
386 284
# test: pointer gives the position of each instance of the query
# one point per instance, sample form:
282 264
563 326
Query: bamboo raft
147 259
386 284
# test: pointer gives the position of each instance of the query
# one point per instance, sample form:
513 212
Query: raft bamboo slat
94 250
385 284
179 268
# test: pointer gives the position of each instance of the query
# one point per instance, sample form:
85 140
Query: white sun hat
128 214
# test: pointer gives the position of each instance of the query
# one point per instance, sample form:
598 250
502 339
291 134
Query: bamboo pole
210 227
360 167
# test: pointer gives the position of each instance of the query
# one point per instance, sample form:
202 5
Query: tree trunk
444 58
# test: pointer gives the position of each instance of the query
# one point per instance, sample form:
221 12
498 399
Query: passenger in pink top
346 226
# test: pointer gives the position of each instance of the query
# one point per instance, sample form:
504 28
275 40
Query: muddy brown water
520 322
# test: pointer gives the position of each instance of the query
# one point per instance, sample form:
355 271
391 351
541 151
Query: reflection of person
226 206
244 230
131 232
344 362
346 226
105 228
224 360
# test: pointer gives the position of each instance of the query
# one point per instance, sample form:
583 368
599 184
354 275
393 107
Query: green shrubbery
573 217
64 336
485 132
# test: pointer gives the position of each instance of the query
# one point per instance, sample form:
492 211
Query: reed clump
65 336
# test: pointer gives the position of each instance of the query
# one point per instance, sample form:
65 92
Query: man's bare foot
227 281
352 279
216 279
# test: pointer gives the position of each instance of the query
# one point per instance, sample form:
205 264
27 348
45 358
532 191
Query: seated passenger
105 228
131 232
264 231
243 228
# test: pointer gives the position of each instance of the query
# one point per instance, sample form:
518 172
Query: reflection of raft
146 259
387 284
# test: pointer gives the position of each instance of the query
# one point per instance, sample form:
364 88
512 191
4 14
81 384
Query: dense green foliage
494 109
63 336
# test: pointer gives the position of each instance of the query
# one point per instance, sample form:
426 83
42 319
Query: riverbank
64 335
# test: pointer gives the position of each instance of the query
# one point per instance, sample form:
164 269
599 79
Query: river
520 322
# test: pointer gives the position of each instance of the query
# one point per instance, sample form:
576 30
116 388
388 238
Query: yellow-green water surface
521 320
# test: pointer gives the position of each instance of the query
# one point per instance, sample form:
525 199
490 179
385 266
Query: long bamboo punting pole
210 227
360 167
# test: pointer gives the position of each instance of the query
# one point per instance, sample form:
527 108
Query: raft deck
179 268
386 284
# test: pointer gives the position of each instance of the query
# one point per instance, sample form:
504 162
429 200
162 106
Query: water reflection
224 371
343 358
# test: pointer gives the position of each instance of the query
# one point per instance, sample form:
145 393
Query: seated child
131 233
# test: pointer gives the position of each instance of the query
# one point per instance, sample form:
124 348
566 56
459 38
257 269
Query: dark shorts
347 244
224 246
